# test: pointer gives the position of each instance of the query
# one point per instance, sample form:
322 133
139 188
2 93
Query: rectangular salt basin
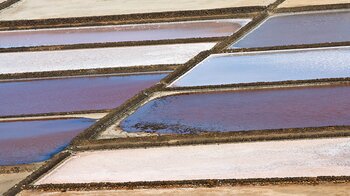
136 32
251 67
300 3
24 142
71 94
44 9
243 111
295 158
21 62
301 28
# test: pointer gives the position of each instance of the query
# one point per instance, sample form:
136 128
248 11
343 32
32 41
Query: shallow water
293 29
74 94
269 67
23 142
98 58
243 111
104 34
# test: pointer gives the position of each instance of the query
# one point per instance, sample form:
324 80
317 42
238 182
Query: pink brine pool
71 94
243 111
121 33
23 142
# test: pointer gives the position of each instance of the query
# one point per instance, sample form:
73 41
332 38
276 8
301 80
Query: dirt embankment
341 189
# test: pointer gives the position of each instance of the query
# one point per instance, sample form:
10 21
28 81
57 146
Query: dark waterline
24 142
140 32
294 29
74 94
243 111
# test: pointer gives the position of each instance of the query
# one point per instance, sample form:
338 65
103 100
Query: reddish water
25 142
75 94
244 110
160 31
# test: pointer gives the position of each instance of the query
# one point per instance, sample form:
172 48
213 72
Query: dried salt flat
42 9
21 62
300 64
120 33
299 28
295 158
300 3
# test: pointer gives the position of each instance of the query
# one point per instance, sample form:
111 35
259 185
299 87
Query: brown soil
311 190
9 180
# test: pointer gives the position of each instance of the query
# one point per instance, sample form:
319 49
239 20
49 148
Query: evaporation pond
251 67
71 94
135 32
23 142
243 111
301 28
99 58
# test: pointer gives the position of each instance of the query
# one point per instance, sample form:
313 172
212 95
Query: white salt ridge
302 64
22 62
295 158
300 3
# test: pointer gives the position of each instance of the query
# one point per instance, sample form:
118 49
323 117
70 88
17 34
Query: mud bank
341 189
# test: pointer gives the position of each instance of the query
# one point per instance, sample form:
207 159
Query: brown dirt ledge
100 72
191 183
7 3
213 137
111 44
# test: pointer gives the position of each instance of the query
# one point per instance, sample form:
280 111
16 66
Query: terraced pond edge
124 19
191 183
111 44
7 3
